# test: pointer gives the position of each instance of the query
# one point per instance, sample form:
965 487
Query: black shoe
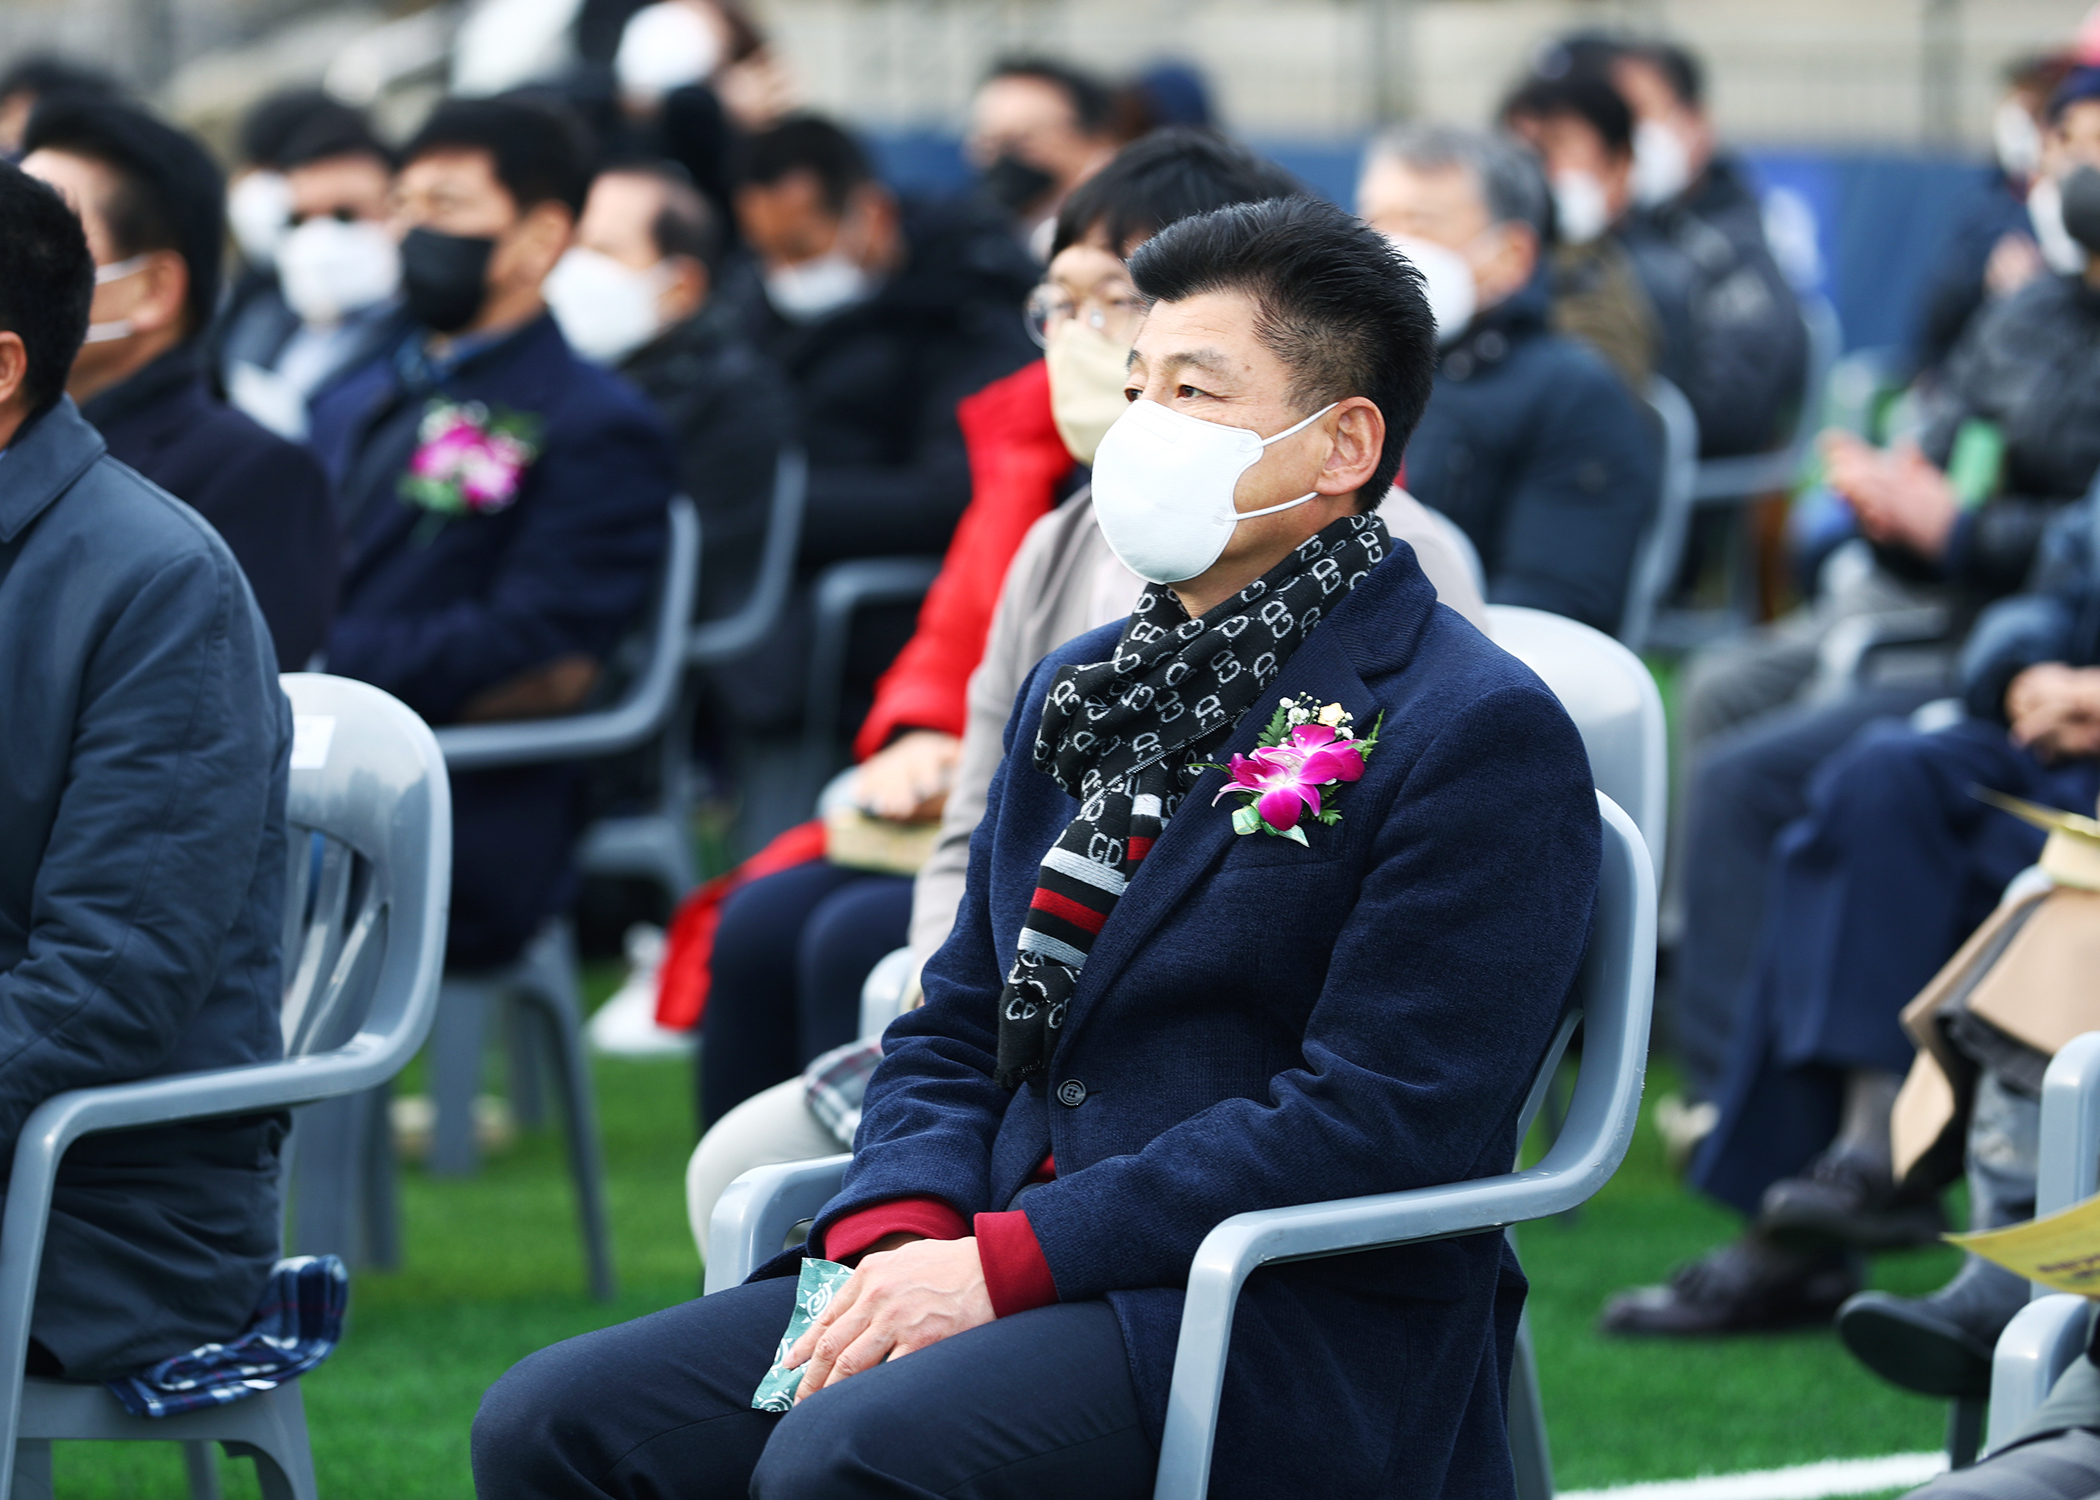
1744 1287
1848 1199
1938 1345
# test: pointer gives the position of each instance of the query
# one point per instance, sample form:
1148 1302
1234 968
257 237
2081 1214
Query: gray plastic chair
1611 697
754 1218
2051 1331
1722 480
1661 548
361 988
541 988
657 844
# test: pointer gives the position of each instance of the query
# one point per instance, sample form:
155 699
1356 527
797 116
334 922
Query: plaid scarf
1121 736
296 1327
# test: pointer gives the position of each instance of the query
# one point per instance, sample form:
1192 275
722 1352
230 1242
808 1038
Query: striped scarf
1126 737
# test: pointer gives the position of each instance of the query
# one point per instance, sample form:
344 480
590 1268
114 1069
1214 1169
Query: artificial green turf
493 1272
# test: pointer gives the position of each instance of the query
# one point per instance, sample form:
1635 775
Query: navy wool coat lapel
1264 1024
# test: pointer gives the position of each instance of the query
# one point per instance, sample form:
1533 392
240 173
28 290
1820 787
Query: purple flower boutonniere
1304 758
469 460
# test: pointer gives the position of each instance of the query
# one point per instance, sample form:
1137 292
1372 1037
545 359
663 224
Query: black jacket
1733 339
2030 365
730 411
878 383
142 849
2056 620
266 496
1535 448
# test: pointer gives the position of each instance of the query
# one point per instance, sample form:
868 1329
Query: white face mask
2045 206
606 310
1448 283
115 328
1662 165
808 290
258 208
328 268
664 47
1088 372
1580 209
2017 139
1163 485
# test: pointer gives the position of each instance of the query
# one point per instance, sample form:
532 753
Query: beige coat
1064 582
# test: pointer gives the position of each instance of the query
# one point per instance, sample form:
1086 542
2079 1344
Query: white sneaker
625 1025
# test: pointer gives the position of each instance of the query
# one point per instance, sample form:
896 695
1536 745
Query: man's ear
538 239
164 297
874 233
686 290
1358 444
14 373
1505 269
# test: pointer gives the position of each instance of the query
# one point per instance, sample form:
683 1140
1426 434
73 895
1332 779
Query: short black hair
327 134
169 194
273 123
539 150
808 143
47 280
1585 97
1335 302
46 73
1679 68
1093 102
686 224
1166 176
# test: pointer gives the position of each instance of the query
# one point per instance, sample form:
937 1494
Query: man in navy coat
1154 1012
505 500
152 203
141 845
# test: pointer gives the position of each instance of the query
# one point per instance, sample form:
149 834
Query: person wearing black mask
1038 129
152 204
505 498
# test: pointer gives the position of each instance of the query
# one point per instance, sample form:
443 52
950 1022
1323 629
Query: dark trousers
790 957
514 836
1894 865
1038 1404
1746 786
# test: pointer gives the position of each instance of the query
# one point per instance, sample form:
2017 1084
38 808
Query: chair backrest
1727 479
1462 544
642 710
2068 1170
1611 697
369 871
733 635
1661 547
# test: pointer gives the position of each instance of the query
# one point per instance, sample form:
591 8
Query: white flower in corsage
1297 770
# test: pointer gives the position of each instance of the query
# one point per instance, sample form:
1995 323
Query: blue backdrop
1876 220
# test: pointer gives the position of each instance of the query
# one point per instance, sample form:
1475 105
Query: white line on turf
1835 1476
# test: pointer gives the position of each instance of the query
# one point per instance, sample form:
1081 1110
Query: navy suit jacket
1261 1024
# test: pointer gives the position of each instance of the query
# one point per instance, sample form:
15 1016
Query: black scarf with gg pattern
1121 736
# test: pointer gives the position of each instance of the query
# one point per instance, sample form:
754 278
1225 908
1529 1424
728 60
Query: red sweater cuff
930 1217
1016 1277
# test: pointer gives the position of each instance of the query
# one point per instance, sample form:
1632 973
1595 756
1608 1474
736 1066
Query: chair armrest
753 1217
1721 480
2037 1346
2068 1170
1842 656
882 992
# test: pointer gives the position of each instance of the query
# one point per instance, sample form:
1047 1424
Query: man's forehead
1210 331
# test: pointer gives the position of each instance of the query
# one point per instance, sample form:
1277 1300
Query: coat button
1071 1093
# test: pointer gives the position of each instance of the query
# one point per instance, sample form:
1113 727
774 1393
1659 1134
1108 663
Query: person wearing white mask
634 293
1532 444
1582 132
153 205
1733 338
334 300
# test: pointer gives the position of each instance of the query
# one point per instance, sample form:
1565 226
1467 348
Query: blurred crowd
437 394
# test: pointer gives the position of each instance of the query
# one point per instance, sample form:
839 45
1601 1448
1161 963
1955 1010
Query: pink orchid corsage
1302 761
469 460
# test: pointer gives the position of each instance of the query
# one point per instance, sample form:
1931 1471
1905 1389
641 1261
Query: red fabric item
1017 461
687 973
1016 1277
928 1217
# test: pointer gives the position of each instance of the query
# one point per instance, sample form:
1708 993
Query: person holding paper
1193 975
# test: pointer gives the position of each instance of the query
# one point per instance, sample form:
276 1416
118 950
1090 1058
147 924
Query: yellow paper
2061 1252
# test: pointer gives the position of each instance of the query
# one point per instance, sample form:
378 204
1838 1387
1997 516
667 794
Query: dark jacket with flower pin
438 611
1261 1024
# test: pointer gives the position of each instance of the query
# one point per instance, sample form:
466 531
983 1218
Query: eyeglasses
1114 315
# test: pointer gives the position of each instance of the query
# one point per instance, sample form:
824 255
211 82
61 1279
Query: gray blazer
142 849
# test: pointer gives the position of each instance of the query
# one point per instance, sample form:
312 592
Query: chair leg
455 1073
32 1469
528 1099
201 1464
1965 1430
380 1180
327 1145
1528 1450
550 985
